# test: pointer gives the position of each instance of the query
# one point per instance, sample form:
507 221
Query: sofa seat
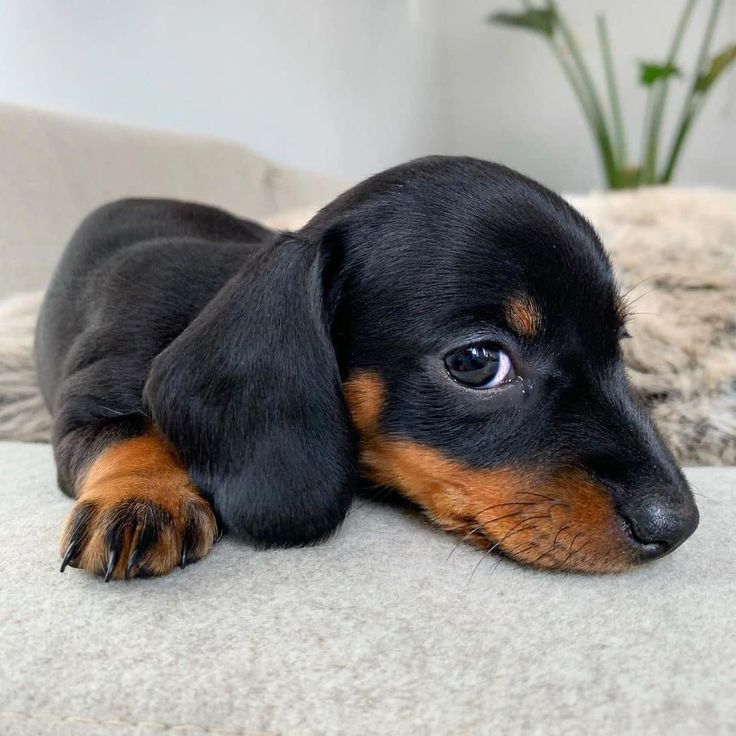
385 628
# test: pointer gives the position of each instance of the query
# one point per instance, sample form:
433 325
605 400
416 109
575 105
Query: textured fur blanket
673 249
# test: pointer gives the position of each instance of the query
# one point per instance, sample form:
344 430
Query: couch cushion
381 630
56 168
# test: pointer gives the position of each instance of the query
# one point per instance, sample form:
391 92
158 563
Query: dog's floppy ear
250 397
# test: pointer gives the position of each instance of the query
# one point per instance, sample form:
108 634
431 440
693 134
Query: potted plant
607 125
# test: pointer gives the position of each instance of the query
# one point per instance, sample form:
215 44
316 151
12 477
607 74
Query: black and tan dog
448 329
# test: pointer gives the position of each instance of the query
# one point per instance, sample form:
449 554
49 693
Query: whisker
488 552
464 539
495 565
572 544
541 495
639 283
526 549
523 526
515 530
509 503
557 503
581 547
541 557
491 549
552 547
577 551
477 565
529 518
559 531
554 502
696 492
506 536
505 516
625 296
702 495
631 302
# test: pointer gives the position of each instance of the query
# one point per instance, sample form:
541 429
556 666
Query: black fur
234 340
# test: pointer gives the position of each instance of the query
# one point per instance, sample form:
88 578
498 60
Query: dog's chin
566 551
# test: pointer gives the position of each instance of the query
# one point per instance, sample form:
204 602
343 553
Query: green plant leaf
718 64
538 20
649 73
628 177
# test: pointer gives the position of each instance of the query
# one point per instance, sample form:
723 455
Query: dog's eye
479 366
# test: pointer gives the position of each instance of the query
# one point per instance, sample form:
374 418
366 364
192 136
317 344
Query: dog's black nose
657 526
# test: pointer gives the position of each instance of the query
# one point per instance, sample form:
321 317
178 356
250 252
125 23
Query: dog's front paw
135 536
137 514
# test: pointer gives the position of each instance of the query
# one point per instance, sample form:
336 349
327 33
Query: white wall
350 86
331 85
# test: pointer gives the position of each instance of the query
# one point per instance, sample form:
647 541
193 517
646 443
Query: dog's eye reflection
479 366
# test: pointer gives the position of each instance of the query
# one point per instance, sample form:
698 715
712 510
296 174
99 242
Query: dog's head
455 329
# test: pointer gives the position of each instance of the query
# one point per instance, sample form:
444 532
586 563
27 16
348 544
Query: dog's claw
144 540
132 560
134 557
112 559
69 554
77 532
184 556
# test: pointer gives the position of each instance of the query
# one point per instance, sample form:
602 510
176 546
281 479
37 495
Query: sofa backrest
55 168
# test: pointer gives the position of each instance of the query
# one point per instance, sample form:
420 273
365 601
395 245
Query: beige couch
54 169
390 627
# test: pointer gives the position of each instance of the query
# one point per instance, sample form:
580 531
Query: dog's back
136 272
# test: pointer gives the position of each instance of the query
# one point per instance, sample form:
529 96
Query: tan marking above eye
560 520
523 315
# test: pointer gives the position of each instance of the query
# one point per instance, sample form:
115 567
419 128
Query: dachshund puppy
448 329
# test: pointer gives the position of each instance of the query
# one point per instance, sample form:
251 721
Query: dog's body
204 371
